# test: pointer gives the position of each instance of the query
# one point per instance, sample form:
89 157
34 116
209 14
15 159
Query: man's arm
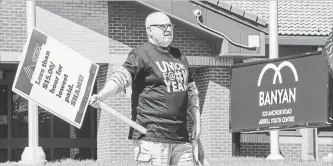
118 82
120 79
110 88
193 109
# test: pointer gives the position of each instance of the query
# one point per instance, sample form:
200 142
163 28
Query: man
163 92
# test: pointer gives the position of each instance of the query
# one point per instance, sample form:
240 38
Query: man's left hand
196 131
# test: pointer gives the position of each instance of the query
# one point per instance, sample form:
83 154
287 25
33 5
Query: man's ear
149 31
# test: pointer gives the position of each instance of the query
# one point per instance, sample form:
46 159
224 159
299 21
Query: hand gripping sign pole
273 53
34 154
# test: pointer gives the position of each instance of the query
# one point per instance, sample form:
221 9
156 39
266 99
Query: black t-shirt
159 96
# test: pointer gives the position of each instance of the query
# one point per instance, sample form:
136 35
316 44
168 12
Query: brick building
105 31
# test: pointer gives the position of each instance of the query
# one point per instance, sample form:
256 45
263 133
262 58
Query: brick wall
324 150
214 87
112 133
12 25
291 150
254 149
258 145
85 13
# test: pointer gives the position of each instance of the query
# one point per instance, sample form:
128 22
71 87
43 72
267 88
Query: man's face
161 31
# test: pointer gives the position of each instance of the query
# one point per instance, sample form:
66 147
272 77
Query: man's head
159 29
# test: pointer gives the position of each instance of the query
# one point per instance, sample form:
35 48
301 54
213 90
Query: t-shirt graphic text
175 75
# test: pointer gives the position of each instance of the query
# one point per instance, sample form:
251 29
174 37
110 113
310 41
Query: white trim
209 61
325 140
9 57
291 140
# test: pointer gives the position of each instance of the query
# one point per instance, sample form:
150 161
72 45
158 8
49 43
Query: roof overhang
148 7
237 29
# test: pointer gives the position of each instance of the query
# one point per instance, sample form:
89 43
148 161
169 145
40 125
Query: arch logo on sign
277 71
277 96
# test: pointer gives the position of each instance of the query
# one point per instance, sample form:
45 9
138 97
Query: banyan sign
289 92
55 77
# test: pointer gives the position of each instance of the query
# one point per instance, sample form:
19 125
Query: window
3 113
61 128
16 154
44 123
19 117
3 155
58 138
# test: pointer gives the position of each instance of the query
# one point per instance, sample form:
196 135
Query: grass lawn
234 161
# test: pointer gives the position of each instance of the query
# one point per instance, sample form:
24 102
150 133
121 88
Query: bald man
163 93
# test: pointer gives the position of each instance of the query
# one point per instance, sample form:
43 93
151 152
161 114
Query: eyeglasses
164 27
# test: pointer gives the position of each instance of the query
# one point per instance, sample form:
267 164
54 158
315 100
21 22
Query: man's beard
165 41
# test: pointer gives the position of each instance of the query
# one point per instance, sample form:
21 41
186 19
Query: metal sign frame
327 122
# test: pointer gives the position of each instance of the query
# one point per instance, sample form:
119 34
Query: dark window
325 131
3 112
47 152
61 153
85 130
16 154
61 128
19 117
3 155
44 125
82 154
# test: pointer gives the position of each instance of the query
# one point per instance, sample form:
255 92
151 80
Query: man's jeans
155 153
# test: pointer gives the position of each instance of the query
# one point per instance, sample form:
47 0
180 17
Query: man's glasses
164 27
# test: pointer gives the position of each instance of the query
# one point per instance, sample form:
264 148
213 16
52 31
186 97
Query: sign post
33 154
274 53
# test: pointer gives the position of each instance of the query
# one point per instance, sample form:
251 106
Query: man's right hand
94 101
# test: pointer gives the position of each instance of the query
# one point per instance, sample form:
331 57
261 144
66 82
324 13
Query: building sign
55 77
284 93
